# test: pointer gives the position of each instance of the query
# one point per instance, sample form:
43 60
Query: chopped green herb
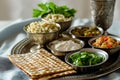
85 58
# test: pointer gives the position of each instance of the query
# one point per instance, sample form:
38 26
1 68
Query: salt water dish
63 46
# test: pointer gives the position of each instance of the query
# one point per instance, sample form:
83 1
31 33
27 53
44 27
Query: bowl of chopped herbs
87 59
62 15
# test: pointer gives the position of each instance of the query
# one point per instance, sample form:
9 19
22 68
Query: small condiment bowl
64 22
110 51
56 51
88 68
81 32
42 38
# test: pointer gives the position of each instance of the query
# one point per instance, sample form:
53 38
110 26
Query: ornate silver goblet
102 13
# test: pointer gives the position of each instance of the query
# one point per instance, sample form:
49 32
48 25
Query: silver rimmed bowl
110 51
86 68
85 32
42 38
63 46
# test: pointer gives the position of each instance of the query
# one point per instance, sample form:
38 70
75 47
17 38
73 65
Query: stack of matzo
41 64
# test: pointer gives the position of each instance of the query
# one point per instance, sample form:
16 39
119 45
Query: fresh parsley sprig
52 8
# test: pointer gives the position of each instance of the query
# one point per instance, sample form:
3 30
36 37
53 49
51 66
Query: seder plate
110 66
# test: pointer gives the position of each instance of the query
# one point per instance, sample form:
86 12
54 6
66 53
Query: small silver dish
82 37
82 27
42 38
110 51
87 69
61 52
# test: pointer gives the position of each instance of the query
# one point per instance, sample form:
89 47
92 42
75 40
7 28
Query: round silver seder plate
110 66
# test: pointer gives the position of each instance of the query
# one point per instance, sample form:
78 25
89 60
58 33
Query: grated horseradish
67 45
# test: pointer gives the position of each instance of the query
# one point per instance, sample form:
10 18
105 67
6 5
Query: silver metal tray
110 66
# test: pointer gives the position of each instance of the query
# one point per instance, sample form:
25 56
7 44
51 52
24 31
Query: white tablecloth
13 33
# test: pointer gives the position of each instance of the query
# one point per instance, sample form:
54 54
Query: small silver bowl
56 52
82 37
64 25
110 51
91 68
42 38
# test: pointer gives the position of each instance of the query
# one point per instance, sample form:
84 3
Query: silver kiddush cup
102 12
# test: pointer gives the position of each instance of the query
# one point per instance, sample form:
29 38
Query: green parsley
85 58
52 8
